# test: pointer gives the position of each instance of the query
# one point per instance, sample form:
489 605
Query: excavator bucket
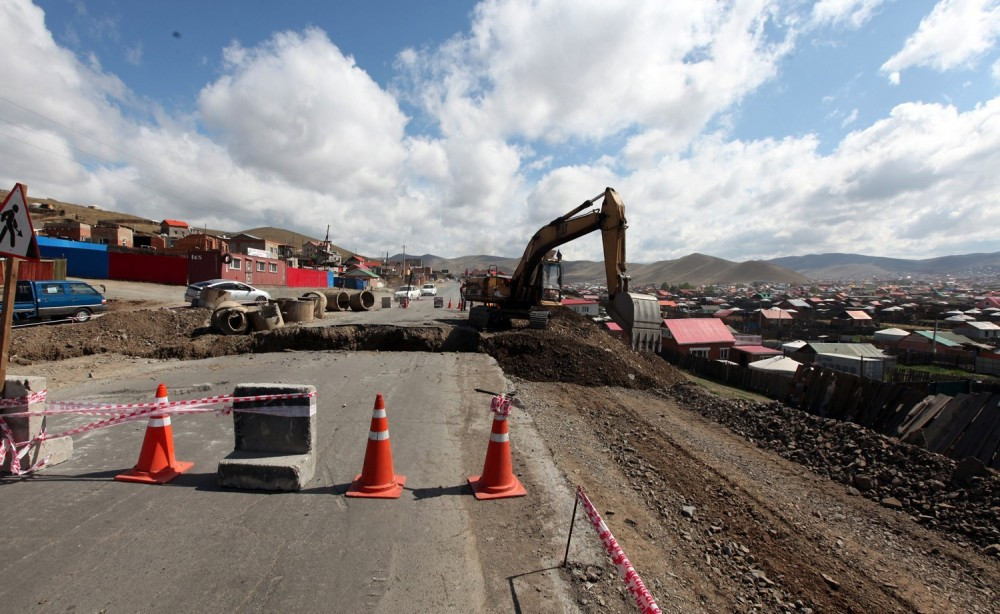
639 316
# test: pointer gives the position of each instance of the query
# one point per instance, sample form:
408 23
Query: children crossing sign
17 235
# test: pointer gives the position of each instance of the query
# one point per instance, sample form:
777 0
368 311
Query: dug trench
728 505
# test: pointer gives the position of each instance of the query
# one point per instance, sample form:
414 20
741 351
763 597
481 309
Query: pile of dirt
961 499
574 350
150 333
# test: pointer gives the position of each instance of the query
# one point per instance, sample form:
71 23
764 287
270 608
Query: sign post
17 241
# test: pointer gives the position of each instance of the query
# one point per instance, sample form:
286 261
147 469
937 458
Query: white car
239 292
410 292
428 290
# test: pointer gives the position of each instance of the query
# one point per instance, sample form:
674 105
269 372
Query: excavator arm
609 219
637 314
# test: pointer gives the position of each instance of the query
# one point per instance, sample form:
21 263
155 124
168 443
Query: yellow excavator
537 281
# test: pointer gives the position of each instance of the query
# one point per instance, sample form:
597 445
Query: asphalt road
76 539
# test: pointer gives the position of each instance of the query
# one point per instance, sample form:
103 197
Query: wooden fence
959 426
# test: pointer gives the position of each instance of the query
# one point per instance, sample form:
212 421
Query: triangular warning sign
17 235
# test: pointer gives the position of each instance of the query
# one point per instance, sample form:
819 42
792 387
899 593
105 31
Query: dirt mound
574 350
150 333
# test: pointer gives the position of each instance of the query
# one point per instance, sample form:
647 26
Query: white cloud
297 109
292 133
133 55
954 35
850 119
561 70
915 183
854 13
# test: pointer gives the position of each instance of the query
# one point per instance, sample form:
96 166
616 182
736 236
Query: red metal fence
156 268
305 278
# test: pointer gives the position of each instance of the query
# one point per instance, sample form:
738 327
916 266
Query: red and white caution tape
126 412
7 441
34 397
643 598
501 406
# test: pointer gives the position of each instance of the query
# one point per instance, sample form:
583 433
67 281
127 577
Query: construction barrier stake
572 521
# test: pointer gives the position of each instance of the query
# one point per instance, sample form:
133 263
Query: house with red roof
705 337
174 229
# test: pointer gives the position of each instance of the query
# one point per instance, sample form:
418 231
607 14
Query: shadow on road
513 590
440 491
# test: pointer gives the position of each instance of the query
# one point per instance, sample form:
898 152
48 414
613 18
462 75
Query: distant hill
695 269
288 237
856 266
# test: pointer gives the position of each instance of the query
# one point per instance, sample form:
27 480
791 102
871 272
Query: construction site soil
723 504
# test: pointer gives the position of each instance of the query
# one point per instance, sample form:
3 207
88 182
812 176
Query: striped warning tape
126 412
57 408
643 598
501 406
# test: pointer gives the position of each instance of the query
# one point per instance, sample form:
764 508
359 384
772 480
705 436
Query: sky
742 129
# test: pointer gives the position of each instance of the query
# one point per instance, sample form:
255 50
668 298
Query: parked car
410 292
239 292
428 290
57 299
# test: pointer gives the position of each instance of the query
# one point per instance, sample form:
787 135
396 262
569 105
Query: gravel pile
959 498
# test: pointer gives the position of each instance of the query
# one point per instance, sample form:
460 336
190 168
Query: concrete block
57 450
273 451
262 471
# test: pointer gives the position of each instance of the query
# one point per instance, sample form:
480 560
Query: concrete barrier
57 450
273 452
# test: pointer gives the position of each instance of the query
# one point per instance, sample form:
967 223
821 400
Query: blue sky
743 129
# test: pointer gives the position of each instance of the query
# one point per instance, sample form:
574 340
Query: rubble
897 475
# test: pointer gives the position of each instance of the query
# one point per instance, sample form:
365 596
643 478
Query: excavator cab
551 278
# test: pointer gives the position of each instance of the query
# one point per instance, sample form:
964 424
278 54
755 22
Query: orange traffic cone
157 464
449 303
377 479
498 480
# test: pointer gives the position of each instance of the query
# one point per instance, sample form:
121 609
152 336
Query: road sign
17 235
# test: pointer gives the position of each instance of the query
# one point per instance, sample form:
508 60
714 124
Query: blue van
57 299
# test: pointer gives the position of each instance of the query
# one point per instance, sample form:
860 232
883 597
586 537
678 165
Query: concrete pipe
319 300
268 317
362 301
296 310
212 297
337 300
231 320
226 305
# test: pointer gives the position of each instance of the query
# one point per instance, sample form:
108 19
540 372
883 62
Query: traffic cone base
392 490
156 464
482 491
160 477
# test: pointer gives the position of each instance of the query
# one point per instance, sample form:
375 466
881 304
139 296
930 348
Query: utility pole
402 274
